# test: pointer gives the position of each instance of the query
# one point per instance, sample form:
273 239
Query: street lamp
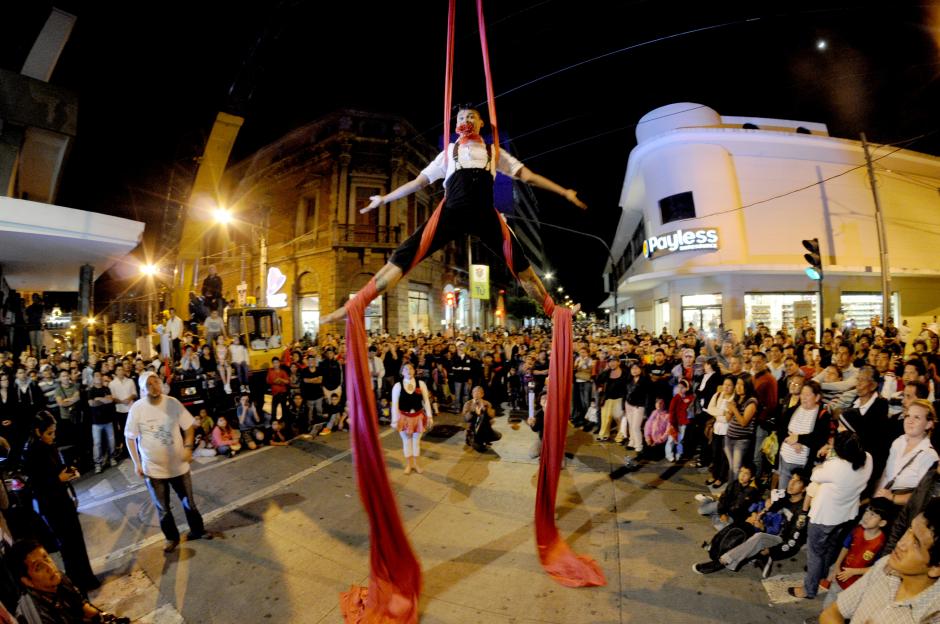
224 216
549 276
614 268
149 270
560 289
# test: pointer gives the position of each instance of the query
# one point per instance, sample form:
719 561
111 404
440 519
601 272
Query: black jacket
736 499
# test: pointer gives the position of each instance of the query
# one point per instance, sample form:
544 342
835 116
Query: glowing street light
148 269
560 289
549 276
821 45
221 215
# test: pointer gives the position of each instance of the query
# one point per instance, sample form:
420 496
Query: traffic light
814 258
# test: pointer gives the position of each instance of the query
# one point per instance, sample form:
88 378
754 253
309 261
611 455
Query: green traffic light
812 273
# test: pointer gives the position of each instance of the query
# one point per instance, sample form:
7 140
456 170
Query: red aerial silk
395 574
561 563
395 579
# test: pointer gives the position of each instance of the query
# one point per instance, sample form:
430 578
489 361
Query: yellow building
295 207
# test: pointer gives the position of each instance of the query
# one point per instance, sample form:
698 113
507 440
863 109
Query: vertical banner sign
480 281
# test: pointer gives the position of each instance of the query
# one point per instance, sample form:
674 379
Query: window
780 310
310 314
419 315
703 312
310 214
363 193
374 321
676 207
660 315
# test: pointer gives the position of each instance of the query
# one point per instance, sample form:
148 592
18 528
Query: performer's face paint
469 122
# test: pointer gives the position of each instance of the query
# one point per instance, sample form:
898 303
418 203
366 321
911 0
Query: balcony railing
364 235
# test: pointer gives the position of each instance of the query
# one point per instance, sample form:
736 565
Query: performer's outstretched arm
404 190
530 177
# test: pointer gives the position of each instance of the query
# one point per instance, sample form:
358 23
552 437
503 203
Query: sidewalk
294 536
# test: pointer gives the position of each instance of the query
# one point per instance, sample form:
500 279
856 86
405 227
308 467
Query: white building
757 188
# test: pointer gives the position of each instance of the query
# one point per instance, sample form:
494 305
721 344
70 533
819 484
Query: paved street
294 536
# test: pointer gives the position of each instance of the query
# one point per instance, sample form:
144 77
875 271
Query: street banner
480 281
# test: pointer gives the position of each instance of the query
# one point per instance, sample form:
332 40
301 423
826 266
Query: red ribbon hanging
395 574
558 560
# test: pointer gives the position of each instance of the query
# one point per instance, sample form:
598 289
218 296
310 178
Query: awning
42 246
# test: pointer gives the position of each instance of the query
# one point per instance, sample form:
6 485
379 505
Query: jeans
314 408
737 451
97 431
760 434
461 393
784 471
160 494
822 548
582 400
710 509
241 370
35 340
674 447
719 458
734 558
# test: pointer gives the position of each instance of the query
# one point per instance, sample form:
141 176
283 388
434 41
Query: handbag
890 483
770 447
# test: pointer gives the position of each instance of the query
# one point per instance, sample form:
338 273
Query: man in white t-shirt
162 457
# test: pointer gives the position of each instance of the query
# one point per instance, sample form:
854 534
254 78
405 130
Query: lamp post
149 271
224 217
614 270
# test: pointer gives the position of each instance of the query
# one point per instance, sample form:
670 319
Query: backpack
729 537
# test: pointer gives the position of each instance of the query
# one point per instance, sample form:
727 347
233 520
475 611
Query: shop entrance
702 311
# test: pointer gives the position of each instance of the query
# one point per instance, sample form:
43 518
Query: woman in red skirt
411 415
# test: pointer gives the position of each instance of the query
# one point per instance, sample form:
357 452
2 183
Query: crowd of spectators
800 436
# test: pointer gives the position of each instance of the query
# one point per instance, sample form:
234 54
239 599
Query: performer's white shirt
472 155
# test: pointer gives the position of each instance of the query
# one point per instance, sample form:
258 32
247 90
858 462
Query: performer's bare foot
408 468
417 468
575 309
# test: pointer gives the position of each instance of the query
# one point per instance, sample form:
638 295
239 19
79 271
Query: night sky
151 77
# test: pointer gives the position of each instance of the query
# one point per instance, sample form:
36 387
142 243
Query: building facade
715 209
297 203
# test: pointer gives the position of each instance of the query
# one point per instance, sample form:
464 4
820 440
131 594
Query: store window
703 312
859 308
629 318
419 314
374 320
310 314
778 311
660 315
676 207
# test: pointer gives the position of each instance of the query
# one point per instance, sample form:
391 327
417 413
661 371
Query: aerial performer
468 168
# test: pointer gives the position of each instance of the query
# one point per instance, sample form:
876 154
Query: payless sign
680 240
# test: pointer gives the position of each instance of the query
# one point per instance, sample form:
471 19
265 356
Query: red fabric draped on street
395 574
561 563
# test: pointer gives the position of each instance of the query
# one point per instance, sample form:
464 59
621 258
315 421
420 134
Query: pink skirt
412 422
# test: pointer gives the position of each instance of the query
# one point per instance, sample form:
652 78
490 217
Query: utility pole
882 238
469 284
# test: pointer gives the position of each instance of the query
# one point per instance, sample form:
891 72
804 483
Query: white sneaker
228 389
703 498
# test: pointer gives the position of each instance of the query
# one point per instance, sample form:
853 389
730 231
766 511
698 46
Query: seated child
281 434
336 412
225 439
734 503
860 549
385 412
656 430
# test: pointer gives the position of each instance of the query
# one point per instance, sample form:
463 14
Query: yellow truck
260 331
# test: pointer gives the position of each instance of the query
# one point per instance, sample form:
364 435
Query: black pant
62 518
160 494
468 209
